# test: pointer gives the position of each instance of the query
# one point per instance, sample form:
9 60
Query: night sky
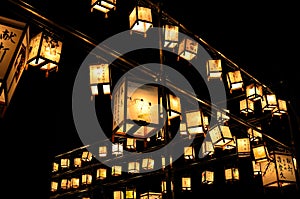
38 124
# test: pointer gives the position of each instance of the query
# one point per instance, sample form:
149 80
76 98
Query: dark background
260 38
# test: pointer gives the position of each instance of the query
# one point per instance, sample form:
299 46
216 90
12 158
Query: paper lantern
135 109
188 49
220 135
140 19
14 49
103 5
100 77
214 69
278 172
45 52
235 81
170 36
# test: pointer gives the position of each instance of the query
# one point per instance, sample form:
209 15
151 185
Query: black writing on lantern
6 36
284 165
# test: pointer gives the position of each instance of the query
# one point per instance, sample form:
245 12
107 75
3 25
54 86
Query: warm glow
77 162
116 170
235 81
246 106
194 122
260 153
207 177
171 36
102 151
140 19
133 167
254 92
269 102
148 163
186 183
101 173
86 179
214 69
220 135
118 195
189 152
188 49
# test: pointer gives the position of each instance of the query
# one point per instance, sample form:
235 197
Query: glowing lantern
100 76
214 69
14 48
140 19
188 49
135 109
171 36
103 5
45 51
235 81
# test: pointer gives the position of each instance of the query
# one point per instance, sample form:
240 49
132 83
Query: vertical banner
14 40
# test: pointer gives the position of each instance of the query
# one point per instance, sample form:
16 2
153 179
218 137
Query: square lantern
188 49
243 147
148 163
135 109
117 149
86 156
65 183
194 121
280 172
206 148
260 152
103 5
235 81
131 143
86 179
100 77
45 51
220 135
151 195
223 116
254 92
170 36
189 153
75 183
268 102
207 177
232 174
102 151
65 163
164 186
54 186
183 128
130 193
186 183
118 194
116 170
281 108
214 69
77 162
173 106
14 49
140 19
101 173
246 106
55 167
133 167
254 135
256 168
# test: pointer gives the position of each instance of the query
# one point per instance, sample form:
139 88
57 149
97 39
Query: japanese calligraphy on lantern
280 171
9 39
